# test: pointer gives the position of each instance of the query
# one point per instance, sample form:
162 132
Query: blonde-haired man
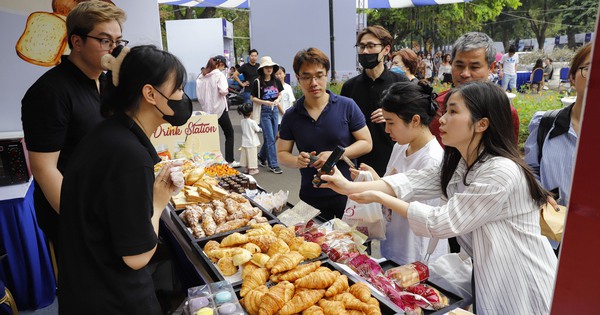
63 105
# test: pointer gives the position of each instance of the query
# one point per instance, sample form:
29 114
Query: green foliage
528 104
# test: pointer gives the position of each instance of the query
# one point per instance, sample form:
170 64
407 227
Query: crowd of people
445 166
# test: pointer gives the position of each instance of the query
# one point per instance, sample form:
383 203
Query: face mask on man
397 69
368 61
182 110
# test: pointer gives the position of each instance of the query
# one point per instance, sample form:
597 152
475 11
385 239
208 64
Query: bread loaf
44 39
63 7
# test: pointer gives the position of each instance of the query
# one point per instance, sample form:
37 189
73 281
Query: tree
578 16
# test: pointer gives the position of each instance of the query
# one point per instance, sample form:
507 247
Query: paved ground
289 180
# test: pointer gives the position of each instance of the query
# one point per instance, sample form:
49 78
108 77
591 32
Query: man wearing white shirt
508 69
287 95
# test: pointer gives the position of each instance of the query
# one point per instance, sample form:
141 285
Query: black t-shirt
249 71
367 94
106 210
57 111
269 90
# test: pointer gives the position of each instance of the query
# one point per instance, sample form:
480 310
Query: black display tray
387 307
455 301
185 231
214 270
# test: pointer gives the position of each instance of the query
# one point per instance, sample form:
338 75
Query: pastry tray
454 301
190 237
387 307
236 279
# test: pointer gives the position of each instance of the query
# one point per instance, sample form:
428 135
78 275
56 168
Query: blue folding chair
564 76
537 78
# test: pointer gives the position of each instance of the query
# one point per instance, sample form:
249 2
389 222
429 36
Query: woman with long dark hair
490 202
111 200
212 89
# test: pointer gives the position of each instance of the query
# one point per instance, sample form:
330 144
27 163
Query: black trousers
227 127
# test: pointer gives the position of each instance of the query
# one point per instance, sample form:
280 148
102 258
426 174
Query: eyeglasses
309 78
584 71
107 43
369 46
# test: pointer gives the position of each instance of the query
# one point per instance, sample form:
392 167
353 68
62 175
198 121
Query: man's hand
377 116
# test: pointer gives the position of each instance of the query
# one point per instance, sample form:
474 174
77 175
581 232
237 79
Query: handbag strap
431 247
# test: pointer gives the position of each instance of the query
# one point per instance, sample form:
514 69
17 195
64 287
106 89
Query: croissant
295 242
300 271
279 246
234 239
276 277
253 280
373 301
248 268
333 307
355 312
242 257
286 235
361 291
323 269
351 302
310 250
373 307
340 285
269 264
226 266
251 247
265 226
316 280
252 300
301 301
211 245
260 259
287 262
278 227
276 298
313 310
263 241
231 225
219 253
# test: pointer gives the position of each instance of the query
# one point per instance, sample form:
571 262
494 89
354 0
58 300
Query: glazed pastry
263 241
226 266
276 298
220 215
310 250
271 262
208 224
260 229
252 248
340 285
296 242
231 225
362 292
279 246
332 307
287 262
351 302
316 280
254 280
258 219
241 258
313 310
260 259
302 300
248 268
197 231
211 245
234 239
252 300
300 271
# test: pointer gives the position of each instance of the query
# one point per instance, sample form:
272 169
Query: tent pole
331 41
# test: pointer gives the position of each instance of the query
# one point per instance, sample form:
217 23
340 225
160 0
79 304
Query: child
490 201
408 108
250 141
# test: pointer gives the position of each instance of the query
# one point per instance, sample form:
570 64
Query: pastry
252 300
296 242
230 225
278 227
351 302
313 310
276 298
286 235
260 259
242 257
271 262
220 215
253 280
252 248
302 300
248 268
300 271
287 262
211 245
279 246
332 307
340 285
226 266
316 280
310 250
208 224
263 241
234 240
361 291
355 312
323 269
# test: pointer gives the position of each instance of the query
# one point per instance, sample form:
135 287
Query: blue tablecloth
522 78
27 269
190 90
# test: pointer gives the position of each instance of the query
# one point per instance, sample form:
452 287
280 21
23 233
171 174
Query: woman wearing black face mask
111 201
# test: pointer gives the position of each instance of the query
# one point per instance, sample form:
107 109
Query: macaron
222 297
198 303
227 308
205 311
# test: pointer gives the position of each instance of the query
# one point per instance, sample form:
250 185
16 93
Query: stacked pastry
216 216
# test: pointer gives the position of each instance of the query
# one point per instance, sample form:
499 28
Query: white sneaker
545 88
234 164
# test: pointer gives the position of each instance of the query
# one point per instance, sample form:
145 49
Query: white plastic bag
453 272
366 218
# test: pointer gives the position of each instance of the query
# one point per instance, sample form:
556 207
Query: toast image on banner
44 39
63 7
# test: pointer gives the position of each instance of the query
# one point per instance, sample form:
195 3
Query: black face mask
182 110
368 61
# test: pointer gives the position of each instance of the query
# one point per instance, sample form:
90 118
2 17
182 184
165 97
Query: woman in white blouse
489 200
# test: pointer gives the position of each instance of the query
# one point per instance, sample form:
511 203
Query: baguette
43 40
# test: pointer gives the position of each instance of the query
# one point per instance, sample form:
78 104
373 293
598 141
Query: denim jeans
268 123
509 80
246 94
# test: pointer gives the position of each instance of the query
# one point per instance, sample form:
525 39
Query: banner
200 134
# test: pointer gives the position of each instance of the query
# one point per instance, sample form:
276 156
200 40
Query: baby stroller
234 97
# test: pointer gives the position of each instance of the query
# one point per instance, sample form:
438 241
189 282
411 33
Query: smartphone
335 156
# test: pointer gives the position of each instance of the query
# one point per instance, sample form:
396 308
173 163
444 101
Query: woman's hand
164 187
336 182
367 168
368 196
